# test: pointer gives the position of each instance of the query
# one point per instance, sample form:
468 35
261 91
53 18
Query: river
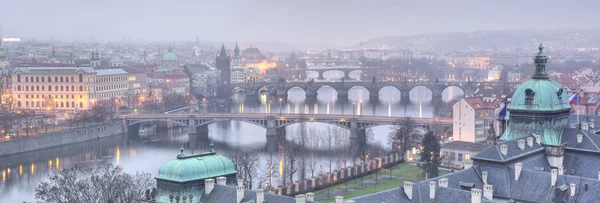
21 173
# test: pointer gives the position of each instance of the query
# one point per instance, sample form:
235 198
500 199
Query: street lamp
204 104
280 99
353 109
361 107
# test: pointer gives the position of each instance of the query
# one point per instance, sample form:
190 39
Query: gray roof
106 72
492 153
54 70
228 194
469 146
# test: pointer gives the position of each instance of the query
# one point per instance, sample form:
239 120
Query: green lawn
403 170
380 186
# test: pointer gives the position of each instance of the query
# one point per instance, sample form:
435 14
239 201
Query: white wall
463 122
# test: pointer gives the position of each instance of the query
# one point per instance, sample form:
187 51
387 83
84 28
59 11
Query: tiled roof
470 146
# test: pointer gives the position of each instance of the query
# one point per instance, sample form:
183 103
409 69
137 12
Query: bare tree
267 173
303 142
344 146
403 135
292 154
363 145
329 141
314 137
106 183
246 163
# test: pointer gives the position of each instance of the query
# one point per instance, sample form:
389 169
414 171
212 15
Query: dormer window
559 93
529 95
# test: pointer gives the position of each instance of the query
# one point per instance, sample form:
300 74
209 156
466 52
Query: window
43 79
19 79
18 87
529 95
37 88
37 79
61 88
43 87
460 157
26 79
61 79
80 77
55 79
62 105
49 87
80 104
26 88
80 88
67 104
49 79
19 103
72 79
467 157
73 104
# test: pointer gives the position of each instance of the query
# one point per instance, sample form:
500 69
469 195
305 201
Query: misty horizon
311 22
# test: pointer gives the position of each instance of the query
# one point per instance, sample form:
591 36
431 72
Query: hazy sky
298 22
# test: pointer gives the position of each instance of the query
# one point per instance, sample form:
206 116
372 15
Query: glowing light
316 108
132 153
50 164
3 176
118 155
32 168
420 110
57 162
390 109
327 108
20 170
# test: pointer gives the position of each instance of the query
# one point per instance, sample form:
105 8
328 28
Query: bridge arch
287 89
363 86
322 86
389 86
449 88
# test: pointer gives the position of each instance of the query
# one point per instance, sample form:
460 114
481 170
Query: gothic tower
224 65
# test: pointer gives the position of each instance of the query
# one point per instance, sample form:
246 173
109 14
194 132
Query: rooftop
106 72
462 145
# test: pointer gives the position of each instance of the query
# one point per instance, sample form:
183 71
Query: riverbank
61 138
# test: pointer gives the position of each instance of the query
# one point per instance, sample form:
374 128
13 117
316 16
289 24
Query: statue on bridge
374 80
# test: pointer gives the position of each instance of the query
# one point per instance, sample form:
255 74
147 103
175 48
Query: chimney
584 126
260 196
504 149
475 195
484 176
572 189
339 199
579 138
309 197
518 167
592 123
553 176
561 170
409 185
530 141
538 139
301 198
209 184
221 180
521 144
488 192
240 190
443 182
431 189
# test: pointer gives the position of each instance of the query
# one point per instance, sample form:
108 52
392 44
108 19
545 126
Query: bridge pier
347 75
436 97
342 93
275 135
405 95
321 77
374 96
282 93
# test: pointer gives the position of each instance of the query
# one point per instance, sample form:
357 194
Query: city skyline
306 23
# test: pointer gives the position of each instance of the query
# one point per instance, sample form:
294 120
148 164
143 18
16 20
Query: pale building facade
53 88
110 86
472 118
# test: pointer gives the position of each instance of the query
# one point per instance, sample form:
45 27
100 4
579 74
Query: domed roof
540 93
545 95
196 167
169 56
116 59
251 50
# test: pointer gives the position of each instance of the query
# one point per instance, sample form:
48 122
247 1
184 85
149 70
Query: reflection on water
149 154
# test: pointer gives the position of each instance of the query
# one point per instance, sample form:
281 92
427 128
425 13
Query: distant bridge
275 124
311 88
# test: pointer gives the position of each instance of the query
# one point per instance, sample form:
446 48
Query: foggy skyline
308 22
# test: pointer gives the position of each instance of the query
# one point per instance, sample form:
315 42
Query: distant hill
488 39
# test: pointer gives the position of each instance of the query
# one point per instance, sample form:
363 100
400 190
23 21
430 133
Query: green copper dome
540 93
116 59
196 167
169 56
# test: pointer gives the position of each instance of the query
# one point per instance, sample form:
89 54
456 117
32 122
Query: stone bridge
311 88
275 124
301 73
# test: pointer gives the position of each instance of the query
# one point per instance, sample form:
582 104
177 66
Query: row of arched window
43 88
50 96
49 78
42 104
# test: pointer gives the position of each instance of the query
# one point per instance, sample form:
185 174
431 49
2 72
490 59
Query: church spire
540 64
223 53
237 49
